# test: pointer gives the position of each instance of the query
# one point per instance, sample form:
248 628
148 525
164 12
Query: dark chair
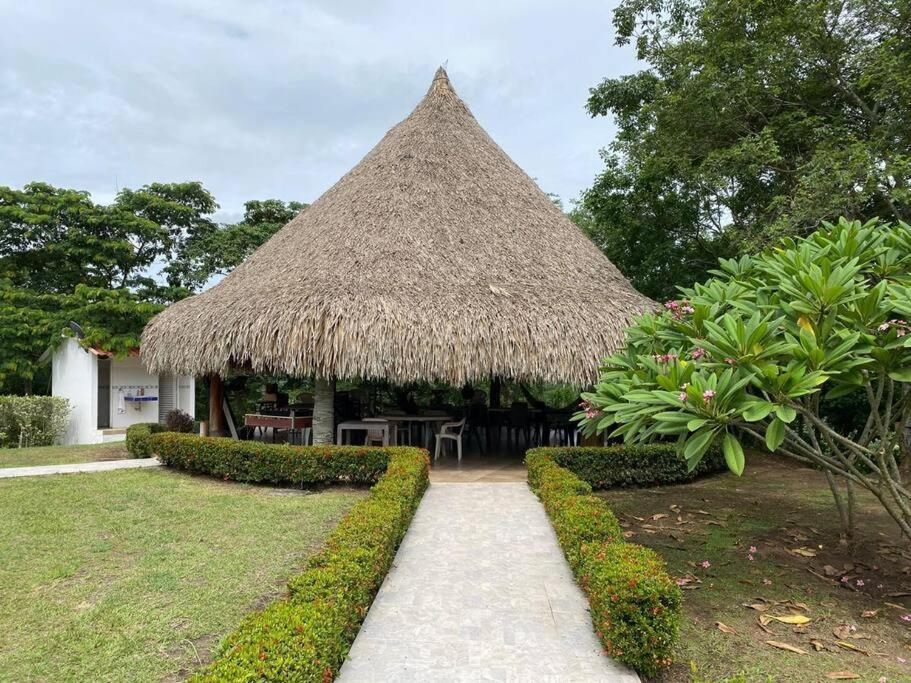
519 424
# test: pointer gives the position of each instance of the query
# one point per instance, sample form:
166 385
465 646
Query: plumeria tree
757 354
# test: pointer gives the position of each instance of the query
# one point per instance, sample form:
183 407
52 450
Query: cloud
280 98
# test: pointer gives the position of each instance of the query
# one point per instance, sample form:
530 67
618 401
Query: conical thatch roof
435 257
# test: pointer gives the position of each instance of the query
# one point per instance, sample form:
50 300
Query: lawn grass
778 509
61 455
136 575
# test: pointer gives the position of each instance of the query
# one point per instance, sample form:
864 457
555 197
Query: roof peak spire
440 84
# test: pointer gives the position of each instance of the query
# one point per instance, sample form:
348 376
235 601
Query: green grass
777 509
61 455
136 575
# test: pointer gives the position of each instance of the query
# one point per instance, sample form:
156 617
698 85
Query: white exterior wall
74 376
127 376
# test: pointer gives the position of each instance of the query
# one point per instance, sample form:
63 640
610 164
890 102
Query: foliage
218 251
138 438
632 465
65 258
178 421
635 605
767 341
32 420
307 636
259 463
752 120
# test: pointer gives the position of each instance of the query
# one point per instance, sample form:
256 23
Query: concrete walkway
480 591
100 466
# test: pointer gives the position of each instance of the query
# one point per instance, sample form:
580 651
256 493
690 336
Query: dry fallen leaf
758 606
842 675
793 619
894 606
843 631
724 628
660 515
804 552
785 646
851 646
869 613
818 645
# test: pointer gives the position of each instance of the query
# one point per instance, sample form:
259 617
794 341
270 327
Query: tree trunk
323 411
217 424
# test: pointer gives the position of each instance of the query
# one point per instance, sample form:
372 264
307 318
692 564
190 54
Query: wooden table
361 425
422 420
292 423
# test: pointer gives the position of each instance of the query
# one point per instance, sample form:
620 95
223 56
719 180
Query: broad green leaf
901 374
774 435
733 453
785 413
759 410
698 444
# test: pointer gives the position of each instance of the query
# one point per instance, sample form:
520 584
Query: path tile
480 591
99 466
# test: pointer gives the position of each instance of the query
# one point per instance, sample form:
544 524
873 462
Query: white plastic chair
375 435
453 432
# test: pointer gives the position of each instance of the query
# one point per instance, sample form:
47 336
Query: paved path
100 466
480 591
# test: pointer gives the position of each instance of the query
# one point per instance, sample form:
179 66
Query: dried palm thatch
436 257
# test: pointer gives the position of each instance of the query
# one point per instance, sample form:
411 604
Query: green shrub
178 421
260 463
138 438
306 636
632 465
635 605
32 420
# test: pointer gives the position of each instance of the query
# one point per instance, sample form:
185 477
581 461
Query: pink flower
697 353
844 579
729 361
752 548
906 617
766 582
688 309
708 394
860 582
882 679
751 557
671 305
706 564
682 396
901 660
883 327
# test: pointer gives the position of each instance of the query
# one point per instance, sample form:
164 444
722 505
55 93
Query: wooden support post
217 424
323 411
496 387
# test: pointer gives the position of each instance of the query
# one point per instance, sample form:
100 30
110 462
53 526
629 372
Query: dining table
423 421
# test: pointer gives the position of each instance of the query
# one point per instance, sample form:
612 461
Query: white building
109 394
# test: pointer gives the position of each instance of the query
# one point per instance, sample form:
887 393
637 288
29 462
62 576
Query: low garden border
306 636
635 604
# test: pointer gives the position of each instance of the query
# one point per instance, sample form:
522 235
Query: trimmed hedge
306 636
633 466
260 463
138 444
635 605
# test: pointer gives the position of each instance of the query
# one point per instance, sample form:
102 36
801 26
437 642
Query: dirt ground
770 591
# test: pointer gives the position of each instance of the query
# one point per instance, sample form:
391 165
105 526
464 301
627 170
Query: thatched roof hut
436 257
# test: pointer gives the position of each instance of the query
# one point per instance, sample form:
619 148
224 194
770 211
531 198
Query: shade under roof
435 258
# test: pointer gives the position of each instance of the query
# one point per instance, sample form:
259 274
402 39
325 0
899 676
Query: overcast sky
280 98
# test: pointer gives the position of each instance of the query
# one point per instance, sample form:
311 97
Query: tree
218 251
757 351
752 121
